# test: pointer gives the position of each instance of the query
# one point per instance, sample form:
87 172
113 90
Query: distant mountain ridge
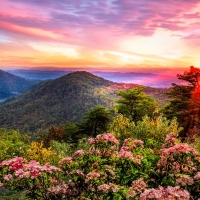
39 74
65 99
11 85
147 79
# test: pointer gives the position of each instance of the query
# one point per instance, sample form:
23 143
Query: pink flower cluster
197 176
92 176
124 153
137 187
79 172
94 151
50 169
13 164
172 193
108 187
179 148
67 160
22 169
91 141
34 169
127 140
108 137
61 188
79 153
172 158
8 177
53 180
170 140
184 180
131 144
105 153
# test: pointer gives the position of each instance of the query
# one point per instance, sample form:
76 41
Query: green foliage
12 143
197 144
154 131
95 122
151 131
71 133
62 149
82 144
178 105
184 101
6 194
122 127
134 103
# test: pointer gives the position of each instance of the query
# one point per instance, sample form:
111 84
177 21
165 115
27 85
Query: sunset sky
128 35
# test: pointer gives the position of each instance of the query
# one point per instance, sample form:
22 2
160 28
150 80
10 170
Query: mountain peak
85 78
65 99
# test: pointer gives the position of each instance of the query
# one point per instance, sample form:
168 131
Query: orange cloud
116 34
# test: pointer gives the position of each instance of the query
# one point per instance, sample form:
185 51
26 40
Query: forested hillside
62 100
10 83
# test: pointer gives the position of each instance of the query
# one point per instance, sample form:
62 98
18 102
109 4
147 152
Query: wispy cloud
101 25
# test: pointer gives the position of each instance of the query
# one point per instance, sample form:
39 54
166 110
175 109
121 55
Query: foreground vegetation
107 168
135 161
137 150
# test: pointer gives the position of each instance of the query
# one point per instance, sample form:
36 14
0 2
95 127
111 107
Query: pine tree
185 101
134 104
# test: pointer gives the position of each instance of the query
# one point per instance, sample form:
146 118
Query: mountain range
12 85
146 79
62 100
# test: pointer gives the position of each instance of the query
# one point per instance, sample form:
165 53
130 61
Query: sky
116 35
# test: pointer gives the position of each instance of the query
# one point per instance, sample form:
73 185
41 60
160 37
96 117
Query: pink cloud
130 17
27 31
95 24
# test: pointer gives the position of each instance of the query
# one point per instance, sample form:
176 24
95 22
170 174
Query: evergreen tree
95 122
135 104
184 102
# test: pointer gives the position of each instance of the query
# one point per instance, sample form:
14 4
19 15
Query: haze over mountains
11 85
146 79
62 100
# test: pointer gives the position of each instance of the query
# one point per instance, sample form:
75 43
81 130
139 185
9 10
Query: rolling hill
11 85
65 99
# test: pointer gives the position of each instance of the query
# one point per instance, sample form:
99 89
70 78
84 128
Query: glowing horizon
121 35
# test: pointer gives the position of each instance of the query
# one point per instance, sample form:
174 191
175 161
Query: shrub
38 152
12 143
179 165
151 131
39 181
108 170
